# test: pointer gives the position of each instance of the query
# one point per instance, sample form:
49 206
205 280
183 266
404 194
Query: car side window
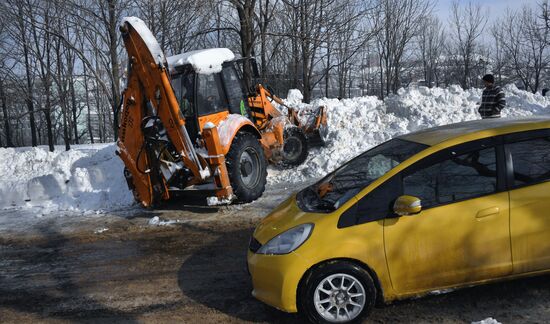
453 179
377 204
531 160
209 94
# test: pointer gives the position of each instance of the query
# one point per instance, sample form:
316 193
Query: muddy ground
119 268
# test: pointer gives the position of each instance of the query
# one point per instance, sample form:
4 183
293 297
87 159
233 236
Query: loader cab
207 98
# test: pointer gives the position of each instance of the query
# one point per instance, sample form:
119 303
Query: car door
462 233
529 164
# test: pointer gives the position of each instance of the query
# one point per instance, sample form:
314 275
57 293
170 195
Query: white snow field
89 178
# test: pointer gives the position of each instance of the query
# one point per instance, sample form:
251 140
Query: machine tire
245 156
295 147
337 269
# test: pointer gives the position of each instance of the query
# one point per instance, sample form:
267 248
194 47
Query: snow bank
205 61
357 124
86 178
90 177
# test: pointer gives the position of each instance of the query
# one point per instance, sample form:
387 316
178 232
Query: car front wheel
337 292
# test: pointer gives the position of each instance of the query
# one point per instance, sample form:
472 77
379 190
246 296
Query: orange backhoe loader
189 122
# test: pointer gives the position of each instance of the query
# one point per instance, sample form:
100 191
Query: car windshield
345 182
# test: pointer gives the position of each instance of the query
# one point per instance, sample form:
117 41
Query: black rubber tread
306 307
297 133
241 142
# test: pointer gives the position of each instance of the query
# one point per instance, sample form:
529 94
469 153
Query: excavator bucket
313 122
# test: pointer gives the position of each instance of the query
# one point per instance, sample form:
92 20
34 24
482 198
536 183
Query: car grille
254 245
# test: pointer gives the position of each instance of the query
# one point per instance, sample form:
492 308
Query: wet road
193 271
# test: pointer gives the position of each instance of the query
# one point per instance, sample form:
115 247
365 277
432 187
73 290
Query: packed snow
89 178
156 221
357 124
488 320
294 97
147 36
206 61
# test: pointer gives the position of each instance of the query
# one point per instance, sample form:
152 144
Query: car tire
319 301
247 167
295 147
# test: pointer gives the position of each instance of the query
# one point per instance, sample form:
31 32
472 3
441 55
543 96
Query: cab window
531 161
235 94
183 85
456 178
209 94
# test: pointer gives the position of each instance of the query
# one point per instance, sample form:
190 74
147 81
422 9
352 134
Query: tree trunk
29 98
115 71
245 10
327 70
88 117
74 107
381 79
9 142
48 118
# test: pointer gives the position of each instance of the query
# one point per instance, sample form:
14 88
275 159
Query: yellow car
446 207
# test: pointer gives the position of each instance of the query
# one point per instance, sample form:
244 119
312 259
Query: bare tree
467 26
400 21
524 39
431 40
101 18
18 31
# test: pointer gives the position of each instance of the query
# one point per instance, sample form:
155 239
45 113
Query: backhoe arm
149 93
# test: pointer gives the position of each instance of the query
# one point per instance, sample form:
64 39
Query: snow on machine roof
477 128
206 61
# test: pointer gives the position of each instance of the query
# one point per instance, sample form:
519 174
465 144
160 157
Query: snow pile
205 61
90 177
524 103
294 96
488 320
86 178
357 124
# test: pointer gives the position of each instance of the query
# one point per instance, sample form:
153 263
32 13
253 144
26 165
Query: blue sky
496 7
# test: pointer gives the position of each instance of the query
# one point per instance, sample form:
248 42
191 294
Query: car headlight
287 241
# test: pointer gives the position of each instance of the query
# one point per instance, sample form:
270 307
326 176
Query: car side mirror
407 205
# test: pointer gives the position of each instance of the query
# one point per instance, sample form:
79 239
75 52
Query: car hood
287 215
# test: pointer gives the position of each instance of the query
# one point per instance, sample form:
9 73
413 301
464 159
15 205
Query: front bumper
275 278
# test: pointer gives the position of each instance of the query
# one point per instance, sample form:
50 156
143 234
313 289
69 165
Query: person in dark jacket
492 99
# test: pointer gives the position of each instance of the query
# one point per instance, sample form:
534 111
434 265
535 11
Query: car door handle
488 212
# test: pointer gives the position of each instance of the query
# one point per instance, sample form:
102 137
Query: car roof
483 128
